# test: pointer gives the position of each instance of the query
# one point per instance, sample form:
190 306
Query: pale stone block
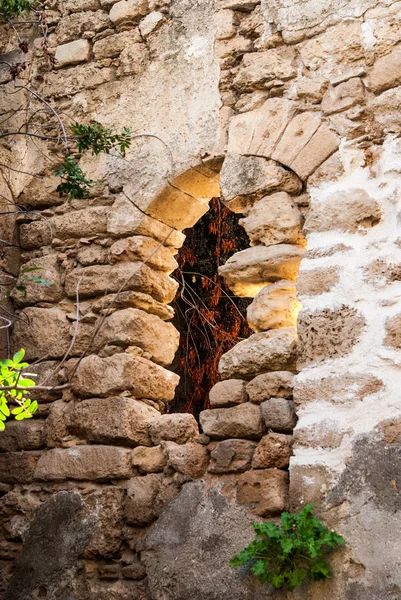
72 53
343 96
151 23
228 393
322 145
386 72
296 136
265 491
128 10
190 459
149 460
176 427
275 306
48 333
242 421
143 248
112 45
263 387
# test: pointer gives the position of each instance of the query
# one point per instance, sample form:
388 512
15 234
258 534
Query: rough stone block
76 79
72 27
128 10
149 460
386 72
179 428
313 282
190 459
104 377
321 145
258 68
328 433
141 248
72 53
327 334
116 420
250 270
150 23
343 96
141 499
22 435
278 414
228 393
275 306
296 136
109 278
133 327
18 467
56 426
245 179
112 45
273 451
341 389
242 421
265 491
272 350
47 334
108 505
177 208
134 300
32 293
278 384
231 456
274 219
95 463
46 374
351 210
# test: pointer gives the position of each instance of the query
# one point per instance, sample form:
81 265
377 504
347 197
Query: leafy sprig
11 376
10 9
74 183
288 553
99 139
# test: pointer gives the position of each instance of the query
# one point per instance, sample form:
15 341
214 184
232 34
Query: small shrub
14 8
288 553
11 376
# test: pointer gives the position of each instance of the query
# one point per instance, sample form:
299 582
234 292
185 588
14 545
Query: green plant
24 279
286 554
99 139
11 377
74 182
14 8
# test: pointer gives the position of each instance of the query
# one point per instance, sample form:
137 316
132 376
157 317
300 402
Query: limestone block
228 393
231 456
249 271
265 491
22 435
132 60
133 327
81 77
175 427
386 72
127 219
225 22
141 248
393 332
134 300
150 23
72 53
385 109
340 389
108 505
272 350
296 136
278 384
56 426
46 374
74 224
279 414
273 452
258 68
242 421
99 279
351 211
18 467
233 48
112 45
321 145
72 27
313 282
190 459
326 334
122 372
47 270
343 96
128 10
116 420
42 332
275 306
141 499
257 132
243 5
274 219
178 209
149 460
73 6
328 433
244 179
93 463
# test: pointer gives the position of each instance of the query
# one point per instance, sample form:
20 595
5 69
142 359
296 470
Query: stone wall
289 111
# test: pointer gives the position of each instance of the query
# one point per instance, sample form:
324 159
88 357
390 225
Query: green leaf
19 356
17 411
2 426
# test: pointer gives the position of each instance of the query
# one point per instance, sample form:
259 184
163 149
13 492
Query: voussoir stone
175 427
274 219
228 393
242 421
273 451
278 384
115 420
279 414
275 306
140 248
265 491
97 376
149 460
133 327
231 456
96 463
273 350
100 279
41 332
250 270
190 459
